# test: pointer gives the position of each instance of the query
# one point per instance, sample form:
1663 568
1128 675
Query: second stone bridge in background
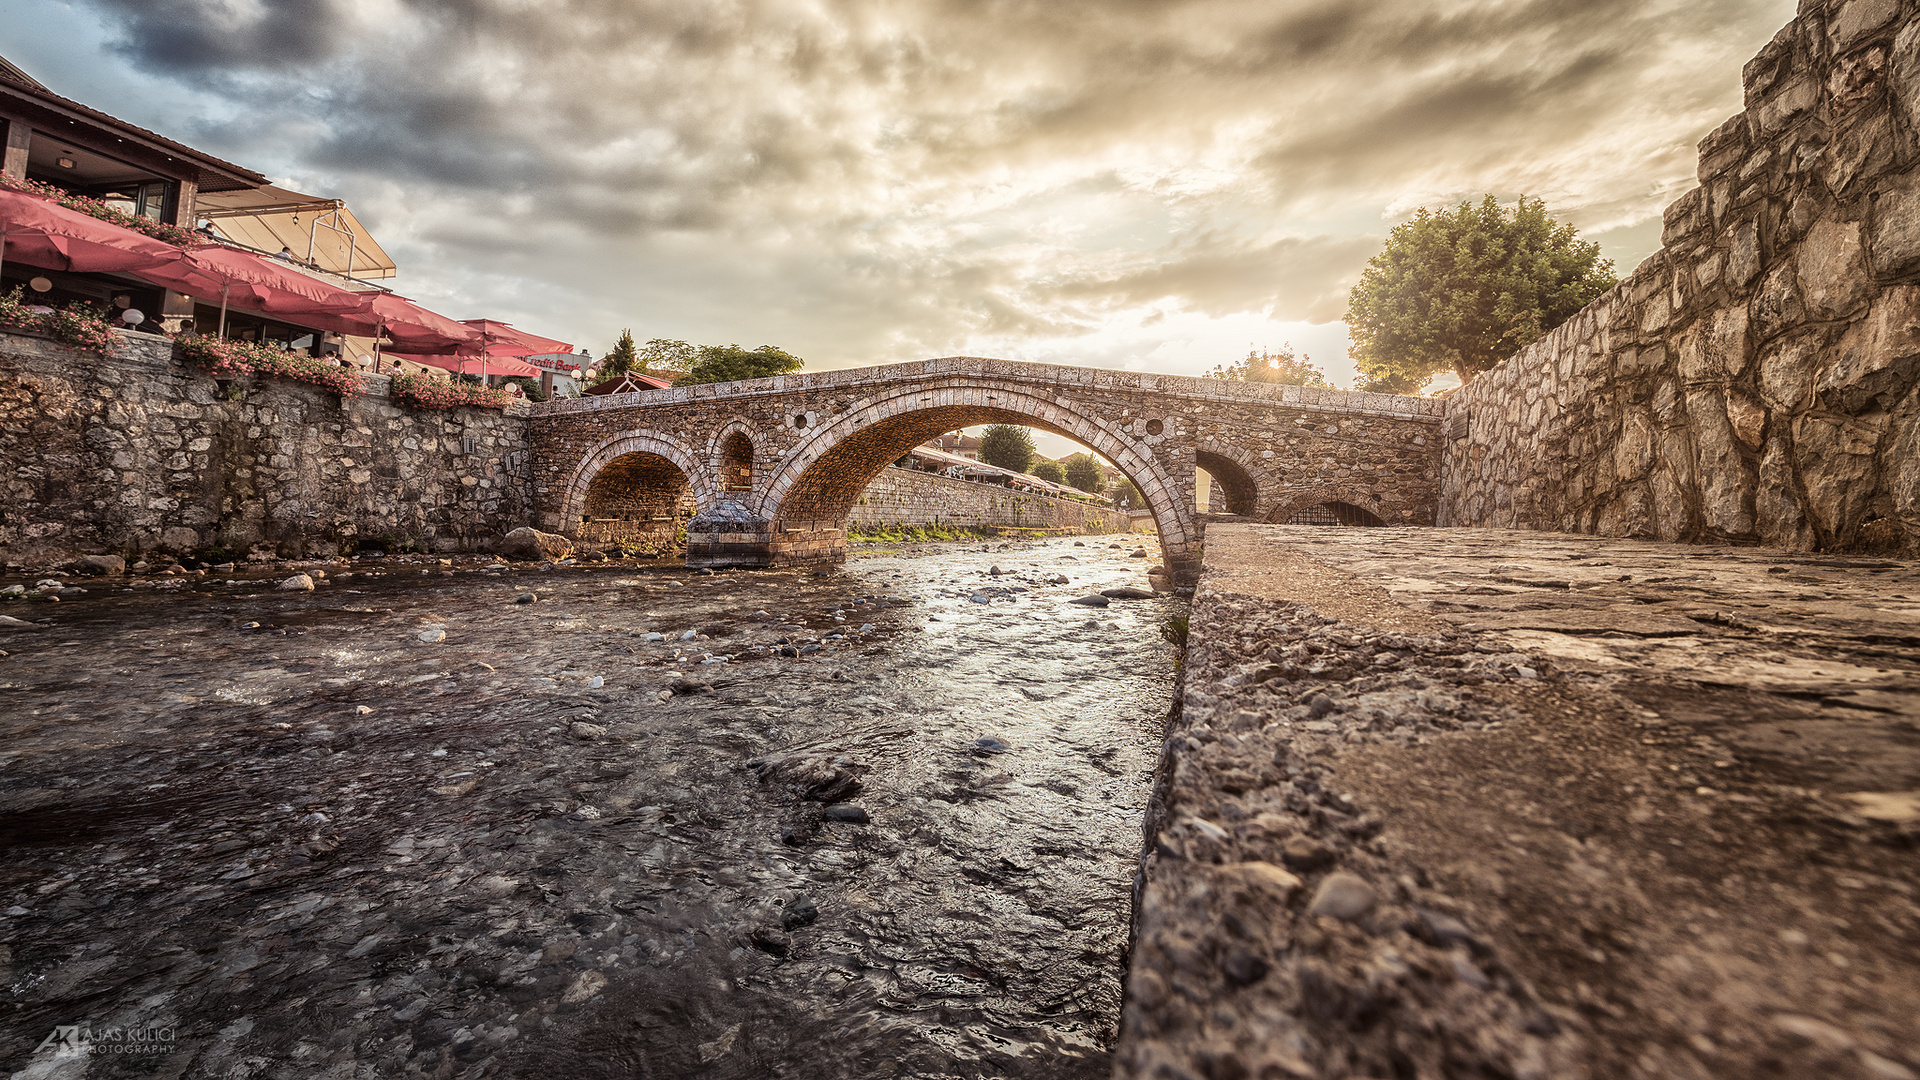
774 466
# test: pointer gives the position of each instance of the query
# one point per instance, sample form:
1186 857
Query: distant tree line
683 364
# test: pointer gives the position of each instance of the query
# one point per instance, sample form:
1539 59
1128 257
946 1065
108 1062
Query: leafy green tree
728 363
1462 290
621 360
1128 497
1008 446
1283 368
1050 471
665 358
1086 474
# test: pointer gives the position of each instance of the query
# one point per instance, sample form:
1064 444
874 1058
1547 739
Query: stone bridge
772 467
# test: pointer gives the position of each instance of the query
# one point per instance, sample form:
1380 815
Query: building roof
58 116
631 383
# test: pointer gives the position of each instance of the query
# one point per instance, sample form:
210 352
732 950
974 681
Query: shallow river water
406 825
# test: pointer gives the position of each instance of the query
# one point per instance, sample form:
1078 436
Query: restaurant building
161 236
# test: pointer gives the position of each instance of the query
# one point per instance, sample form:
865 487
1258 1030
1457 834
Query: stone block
1743 247
1877 357
1902 452
1785 104
1831 267
1858 20
1776 304
1726 482
1778 516
1715 347
1893 232
1835 460
1633 454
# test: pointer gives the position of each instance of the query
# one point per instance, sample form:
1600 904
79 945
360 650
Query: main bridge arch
806 500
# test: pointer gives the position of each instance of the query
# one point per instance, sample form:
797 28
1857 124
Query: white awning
271 218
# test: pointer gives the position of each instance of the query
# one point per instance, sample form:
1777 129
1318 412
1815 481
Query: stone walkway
1475 802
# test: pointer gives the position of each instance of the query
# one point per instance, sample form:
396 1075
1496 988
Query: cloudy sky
1149 184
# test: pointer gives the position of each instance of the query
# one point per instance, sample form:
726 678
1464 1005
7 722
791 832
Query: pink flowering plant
78 326
159 230
227 358
425 392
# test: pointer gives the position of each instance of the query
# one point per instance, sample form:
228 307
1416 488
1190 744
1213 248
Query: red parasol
471 365
43 233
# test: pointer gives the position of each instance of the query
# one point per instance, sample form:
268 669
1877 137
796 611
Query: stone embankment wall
138 452
1758 379
903 497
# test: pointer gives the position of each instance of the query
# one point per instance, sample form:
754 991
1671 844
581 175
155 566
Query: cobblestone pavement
1485 803
470 820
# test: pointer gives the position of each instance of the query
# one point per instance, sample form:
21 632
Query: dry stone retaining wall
1758 379
903 497
137 452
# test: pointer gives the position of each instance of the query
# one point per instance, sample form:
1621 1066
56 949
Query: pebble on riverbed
1095 600
848 813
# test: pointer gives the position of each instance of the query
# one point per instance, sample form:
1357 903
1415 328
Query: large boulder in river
532 545
100 565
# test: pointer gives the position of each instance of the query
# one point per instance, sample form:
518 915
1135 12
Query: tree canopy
665 358
1086 474
1008 446
1282 368
1464 289
1050 471
621 360
728 363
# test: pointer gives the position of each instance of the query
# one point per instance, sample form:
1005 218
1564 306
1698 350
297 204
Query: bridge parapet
1060 376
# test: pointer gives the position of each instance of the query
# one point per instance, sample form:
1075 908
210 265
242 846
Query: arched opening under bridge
806 503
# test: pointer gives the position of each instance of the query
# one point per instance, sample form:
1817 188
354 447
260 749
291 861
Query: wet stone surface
642 822
1488 803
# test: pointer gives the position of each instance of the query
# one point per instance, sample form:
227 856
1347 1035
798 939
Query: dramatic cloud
867 180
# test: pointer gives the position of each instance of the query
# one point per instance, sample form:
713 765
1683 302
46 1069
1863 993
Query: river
471 820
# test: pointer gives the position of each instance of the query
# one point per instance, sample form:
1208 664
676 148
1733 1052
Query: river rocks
586 732
531 545
529 598
1127 593
1095 600
798 913
1138 553
1343 896
989 745
100 565
296 583
433 635
847 813
816 777
1306 854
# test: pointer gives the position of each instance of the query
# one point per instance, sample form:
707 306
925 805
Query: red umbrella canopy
40 232
415 329
244 280
504 340
471 365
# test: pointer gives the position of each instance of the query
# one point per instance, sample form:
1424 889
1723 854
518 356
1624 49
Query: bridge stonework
775 466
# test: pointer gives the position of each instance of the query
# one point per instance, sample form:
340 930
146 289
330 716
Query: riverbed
596 820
